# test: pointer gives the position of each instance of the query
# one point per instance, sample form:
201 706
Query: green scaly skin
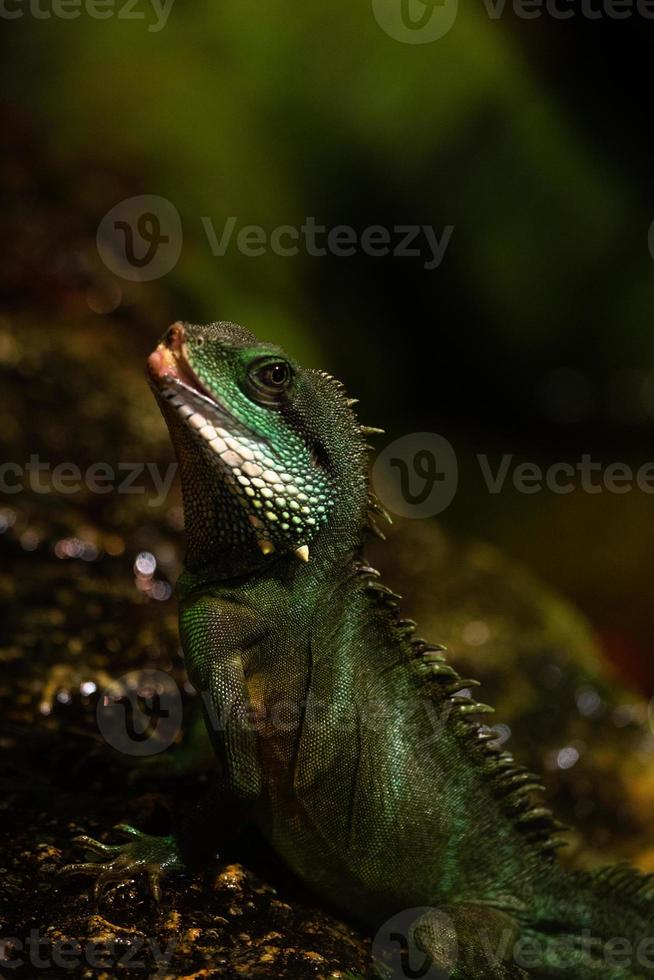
343 735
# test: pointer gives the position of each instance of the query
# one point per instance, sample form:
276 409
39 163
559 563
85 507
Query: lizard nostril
175 336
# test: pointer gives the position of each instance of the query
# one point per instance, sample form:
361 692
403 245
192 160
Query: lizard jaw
244 461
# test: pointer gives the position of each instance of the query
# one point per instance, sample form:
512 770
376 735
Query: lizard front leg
217 671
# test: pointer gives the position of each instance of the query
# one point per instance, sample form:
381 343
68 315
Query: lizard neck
333 557
220 546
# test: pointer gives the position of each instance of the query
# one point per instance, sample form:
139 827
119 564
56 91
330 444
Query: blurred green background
531 137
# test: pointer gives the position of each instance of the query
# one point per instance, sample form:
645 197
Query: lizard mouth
168 365
175 380
242 452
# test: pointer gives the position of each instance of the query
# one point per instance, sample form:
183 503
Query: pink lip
168 362
162 364
164 361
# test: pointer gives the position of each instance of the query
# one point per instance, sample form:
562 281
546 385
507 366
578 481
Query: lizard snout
175 337
163 361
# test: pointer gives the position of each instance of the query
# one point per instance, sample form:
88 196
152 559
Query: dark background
531 137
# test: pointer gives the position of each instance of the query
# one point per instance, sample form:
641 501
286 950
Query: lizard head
271 455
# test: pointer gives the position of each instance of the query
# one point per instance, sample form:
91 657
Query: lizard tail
591 925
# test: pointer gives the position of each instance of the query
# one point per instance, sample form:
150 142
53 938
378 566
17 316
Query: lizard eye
275 375
270 379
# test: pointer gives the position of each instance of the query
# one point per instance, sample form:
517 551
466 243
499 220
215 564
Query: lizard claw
154 883
95 846
127 830
143 854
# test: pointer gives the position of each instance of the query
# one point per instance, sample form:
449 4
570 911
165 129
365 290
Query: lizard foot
469 942
143 854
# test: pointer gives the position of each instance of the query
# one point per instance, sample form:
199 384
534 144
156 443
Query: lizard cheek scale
269 497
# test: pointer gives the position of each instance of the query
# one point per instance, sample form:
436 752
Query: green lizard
351 742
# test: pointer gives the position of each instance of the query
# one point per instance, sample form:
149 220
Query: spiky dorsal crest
338 385
513 785
625 880
376 511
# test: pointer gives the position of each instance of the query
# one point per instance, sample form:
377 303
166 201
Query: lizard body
352 743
